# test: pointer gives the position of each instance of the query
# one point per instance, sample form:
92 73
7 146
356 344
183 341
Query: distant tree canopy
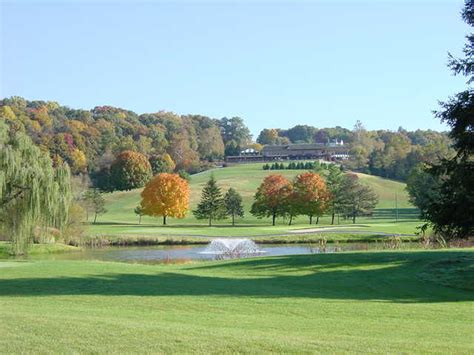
385 153
235 135
90 140
85 138
33 194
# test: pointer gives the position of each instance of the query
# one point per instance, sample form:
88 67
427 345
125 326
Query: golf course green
366 302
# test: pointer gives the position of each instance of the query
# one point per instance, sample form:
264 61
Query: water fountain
232 248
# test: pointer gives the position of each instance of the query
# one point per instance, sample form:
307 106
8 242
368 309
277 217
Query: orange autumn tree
166 195
310 195
271 199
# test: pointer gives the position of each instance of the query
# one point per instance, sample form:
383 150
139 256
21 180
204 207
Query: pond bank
39 249
144 240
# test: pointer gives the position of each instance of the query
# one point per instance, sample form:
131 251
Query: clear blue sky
275 64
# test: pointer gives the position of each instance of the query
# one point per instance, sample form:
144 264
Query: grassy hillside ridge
364 302
245 178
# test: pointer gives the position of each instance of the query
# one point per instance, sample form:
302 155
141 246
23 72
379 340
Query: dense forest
90 141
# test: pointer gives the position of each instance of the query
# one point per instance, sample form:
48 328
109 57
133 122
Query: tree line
309 194
89 141
389 154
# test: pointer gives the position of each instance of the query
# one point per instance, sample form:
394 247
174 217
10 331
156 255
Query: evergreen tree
211 206
233 204
334 180
452 213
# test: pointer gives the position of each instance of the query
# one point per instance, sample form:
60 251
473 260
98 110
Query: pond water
183 253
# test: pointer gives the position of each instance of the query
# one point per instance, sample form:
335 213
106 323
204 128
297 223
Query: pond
184 253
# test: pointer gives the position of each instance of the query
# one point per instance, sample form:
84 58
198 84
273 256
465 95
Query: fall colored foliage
166 195
271 197
310 194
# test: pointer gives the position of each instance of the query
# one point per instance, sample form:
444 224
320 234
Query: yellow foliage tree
166 195
79 161
7 113
42 116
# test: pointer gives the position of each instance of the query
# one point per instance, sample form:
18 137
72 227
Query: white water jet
232 248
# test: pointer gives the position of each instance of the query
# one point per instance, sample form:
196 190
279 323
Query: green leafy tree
130 170
423 189
162 164
211 206
33 194
139 212
95 202
235 134
233 204
357 199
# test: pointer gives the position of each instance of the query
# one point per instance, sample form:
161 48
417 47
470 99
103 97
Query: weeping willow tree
34 196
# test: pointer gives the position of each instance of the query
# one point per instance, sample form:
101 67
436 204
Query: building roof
290 147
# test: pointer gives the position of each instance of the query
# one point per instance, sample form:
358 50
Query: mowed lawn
367 302
245 178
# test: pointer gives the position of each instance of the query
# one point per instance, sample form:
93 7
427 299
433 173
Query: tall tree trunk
291 219
310 219
273 218
332 218
233 220
353 218
164 220
210 221
317 220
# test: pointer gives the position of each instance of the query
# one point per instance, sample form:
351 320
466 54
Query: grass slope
120 218
378 302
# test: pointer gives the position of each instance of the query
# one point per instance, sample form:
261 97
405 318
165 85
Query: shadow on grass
383 276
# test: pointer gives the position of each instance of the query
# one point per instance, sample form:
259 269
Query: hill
120 218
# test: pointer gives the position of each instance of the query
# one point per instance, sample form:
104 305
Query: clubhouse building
330 151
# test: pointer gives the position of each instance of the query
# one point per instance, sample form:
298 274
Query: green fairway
121 220
368 302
